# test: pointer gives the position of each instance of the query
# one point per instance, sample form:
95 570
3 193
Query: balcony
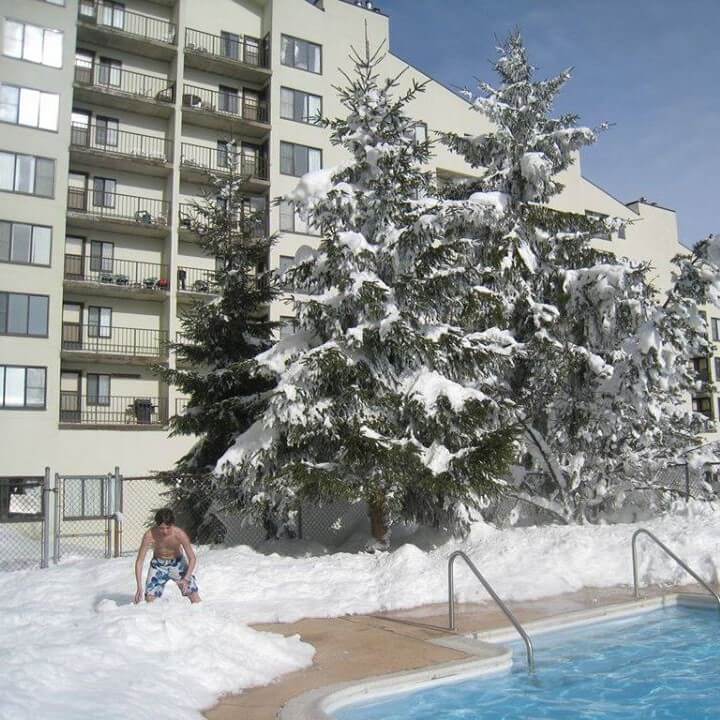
92 208
181 405
112 86
255 224
240 56
197 162
120 412
120 149
225 111
195 283
116 278
112 25
100 343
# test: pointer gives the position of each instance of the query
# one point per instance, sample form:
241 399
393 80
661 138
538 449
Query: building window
22 387
701 368
24 106
225 153
300 54
299 159
702 405
22 314
104 192
715 328
24 244
112 14
106 131
27 174
230 44
32 43
288 325
99 322
108 72
716 362
300 106
101 256
229 99
421 134
290 220
98 389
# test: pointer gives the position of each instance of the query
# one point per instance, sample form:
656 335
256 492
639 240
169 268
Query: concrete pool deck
356 647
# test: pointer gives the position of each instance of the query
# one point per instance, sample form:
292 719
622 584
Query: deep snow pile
72 645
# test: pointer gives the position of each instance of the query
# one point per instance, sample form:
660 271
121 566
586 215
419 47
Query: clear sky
651 67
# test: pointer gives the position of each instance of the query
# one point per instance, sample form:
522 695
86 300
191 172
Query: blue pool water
661 664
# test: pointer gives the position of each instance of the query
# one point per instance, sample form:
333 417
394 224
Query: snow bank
72 645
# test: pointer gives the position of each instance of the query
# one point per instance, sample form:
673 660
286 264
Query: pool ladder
685 566
493 595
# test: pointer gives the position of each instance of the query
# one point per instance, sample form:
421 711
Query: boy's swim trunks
163 570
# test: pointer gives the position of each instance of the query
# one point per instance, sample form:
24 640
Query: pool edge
490 657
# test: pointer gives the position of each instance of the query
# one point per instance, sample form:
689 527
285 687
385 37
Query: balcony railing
248 50
122 273
112 409
223 160
99 203
255 224
105 340
120 142
115 17
199 280
225 103
134 84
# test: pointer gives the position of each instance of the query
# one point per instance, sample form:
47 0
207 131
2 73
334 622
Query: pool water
660 664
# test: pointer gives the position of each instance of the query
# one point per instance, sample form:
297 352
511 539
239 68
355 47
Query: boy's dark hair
165 516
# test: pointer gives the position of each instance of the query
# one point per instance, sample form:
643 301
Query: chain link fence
21 522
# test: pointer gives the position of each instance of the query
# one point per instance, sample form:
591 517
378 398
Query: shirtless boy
168 562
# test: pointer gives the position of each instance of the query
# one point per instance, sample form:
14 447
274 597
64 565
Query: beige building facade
111 116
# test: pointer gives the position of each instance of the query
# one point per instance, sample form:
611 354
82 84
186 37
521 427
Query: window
288 325
99 322
108 72
27 174
717 369
23 106
701 368
290 220
98 389
112 14
24 244
22 314
104 192
300 54
230 43
228 99
286 261
421 132
22 387
101 256
702 405
106 131
715 328
299 159
225 153
300 106
32 43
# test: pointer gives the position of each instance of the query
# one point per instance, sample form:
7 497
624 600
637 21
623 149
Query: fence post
46 523
58 513
687 481
117 511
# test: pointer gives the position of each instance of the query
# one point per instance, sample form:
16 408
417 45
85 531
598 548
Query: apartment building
112 115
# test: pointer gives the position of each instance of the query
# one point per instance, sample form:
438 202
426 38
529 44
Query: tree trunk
378 523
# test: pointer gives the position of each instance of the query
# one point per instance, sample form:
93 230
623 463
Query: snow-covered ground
72 645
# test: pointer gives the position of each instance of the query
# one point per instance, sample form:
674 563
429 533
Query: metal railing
127 82
115 17
255 224
225 103
223 160
683 565
100 203
112 340
112 409
248 50
120 142
199 280
122 273
493 595
181 405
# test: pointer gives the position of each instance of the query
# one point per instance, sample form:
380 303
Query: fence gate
86 515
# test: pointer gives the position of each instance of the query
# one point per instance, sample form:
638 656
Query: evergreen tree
383 394
602 384
219 340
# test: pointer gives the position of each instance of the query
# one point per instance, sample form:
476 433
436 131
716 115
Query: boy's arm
189 553
139 561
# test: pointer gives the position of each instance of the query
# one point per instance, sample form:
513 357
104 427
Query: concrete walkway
355 647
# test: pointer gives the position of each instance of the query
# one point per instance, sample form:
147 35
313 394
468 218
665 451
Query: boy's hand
138 596
183 585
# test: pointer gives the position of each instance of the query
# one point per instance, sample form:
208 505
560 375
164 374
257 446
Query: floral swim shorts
163 570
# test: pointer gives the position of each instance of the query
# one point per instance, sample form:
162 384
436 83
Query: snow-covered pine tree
382 395
219 340
602 384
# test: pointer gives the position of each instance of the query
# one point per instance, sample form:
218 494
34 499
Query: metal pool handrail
493 595
672 555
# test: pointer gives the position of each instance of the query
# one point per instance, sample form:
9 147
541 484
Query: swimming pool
660 664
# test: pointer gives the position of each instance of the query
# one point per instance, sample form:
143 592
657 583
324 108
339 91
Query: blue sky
651 67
